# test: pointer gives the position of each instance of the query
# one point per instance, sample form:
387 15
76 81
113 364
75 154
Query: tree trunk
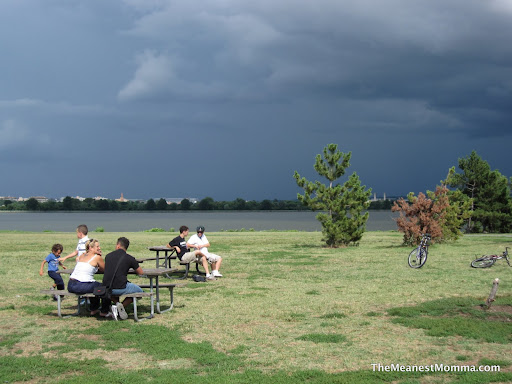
492 295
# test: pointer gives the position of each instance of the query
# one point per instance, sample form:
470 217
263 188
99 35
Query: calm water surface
213 221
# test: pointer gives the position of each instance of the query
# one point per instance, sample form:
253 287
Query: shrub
421 214
155 230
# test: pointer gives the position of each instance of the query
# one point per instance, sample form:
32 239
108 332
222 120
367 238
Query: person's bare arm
100 264
73 254
41 271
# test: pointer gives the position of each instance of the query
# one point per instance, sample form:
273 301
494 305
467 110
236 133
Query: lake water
213 221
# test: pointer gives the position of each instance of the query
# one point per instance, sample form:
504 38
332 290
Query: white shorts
212 257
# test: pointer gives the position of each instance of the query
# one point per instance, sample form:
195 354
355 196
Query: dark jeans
57 279
75 286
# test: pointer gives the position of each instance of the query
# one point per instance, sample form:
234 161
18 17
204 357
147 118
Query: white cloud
154 74
501 5
12 133
16 134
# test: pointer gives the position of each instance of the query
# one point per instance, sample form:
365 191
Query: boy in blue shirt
54 261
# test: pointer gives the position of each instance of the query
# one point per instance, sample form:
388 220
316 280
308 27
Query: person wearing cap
180 245
201 243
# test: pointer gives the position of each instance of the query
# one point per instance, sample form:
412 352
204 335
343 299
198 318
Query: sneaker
216 274
121 311
210 277
113 309
55 298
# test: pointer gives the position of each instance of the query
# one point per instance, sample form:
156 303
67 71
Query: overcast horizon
227 99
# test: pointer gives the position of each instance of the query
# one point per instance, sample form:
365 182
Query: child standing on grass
54 261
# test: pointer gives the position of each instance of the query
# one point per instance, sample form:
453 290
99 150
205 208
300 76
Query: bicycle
489 260
418 256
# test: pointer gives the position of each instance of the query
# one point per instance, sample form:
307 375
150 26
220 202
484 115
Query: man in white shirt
201 243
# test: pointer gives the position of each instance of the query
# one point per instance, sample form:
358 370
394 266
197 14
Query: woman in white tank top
82 279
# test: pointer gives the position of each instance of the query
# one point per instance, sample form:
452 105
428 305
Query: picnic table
155 273
154 285
169 254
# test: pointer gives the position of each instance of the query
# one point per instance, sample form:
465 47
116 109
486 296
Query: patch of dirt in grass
499 310
86 336
28 348
130 359
176 364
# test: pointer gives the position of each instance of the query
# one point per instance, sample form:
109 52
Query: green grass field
287 310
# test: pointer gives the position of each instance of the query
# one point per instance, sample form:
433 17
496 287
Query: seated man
200 242
120 285
179 243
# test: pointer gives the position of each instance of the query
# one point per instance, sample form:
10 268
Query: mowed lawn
287 310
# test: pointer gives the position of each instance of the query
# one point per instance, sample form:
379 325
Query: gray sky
161 98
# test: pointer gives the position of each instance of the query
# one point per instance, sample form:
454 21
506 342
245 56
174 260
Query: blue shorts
130 288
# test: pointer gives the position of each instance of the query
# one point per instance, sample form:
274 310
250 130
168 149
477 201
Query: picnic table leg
157 258
59 307
135 315
135 309
171 297
152 296
157 296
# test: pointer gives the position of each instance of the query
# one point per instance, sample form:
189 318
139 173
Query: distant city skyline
374 197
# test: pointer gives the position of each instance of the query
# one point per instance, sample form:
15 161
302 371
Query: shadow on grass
463 317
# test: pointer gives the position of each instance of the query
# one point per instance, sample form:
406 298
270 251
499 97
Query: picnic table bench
169 254
171 294
80 296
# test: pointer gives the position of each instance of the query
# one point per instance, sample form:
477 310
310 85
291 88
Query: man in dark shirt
180 244
120 284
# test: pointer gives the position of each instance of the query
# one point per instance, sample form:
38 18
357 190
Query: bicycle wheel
483 262
417 258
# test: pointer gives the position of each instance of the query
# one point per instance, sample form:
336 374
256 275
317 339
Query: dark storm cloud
243 93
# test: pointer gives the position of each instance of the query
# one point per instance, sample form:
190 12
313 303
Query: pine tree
342 218
489 192
458 212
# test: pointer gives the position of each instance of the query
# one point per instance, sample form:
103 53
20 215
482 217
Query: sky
226 99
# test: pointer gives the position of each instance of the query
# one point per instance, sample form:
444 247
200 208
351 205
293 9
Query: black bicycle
489 260
418 256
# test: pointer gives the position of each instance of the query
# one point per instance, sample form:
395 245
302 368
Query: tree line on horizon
206 204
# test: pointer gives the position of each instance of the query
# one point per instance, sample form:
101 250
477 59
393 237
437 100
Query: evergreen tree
342 218
458 211
489 192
